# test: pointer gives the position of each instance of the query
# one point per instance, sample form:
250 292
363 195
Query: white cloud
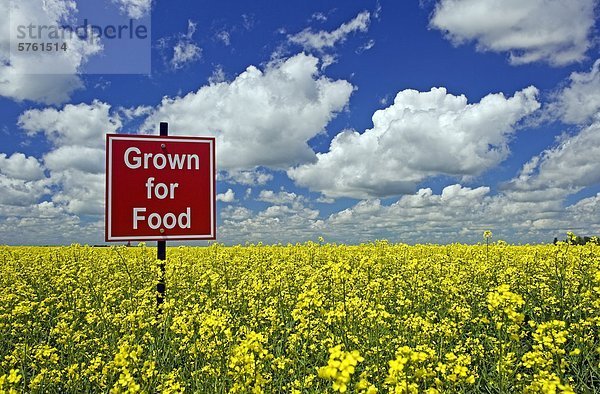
22 181
47 89
561 170
366 46
25 76
228 196
250 177
553 31
185 50
457 214
217 76
319 16
325 200
461 214
276 223
81 158
184 53
422 134
439 216
585 215
261 118
136 112
235 213
21 192
135 9
327 60
281 198
224 37
43 210
19 166
45 224
76 159
322 39
579 102
74 125
75 186
534 213
80 193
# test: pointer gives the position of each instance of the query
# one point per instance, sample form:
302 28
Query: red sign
160 188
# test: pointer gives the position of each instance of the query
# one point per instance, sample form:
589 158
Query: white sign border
140 137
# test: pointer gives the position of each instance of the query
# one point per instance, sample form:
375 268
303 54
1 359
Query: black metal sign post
161 246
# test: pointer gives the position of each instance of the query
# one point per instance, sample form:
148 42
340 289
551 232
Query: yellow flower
14 376
255 318
340 367
575 352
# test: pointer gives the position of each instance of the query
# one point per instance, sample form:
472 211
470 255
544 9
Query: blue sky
414 121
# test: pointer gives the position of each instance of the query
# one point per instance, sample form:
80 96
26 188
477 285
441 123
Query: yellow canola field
308 318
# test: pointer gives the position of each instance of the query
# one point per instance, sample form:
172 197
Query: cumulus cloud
457 214
553 31
322 39
44 223
422 134
22 180
76 159
80 193
20 192
228 196
562 170
325 200
248 177
44 209
461 214
25 76
291 101
75 124
419 213
585 210
276 223
281 198
81 158
19 166
235 213
261 118
579 102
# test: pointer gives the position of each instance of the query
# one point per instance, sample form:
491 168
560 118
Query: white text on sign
135 159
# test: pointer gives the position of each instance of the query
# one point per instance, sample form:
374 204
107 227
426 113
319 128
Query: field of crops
307 318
